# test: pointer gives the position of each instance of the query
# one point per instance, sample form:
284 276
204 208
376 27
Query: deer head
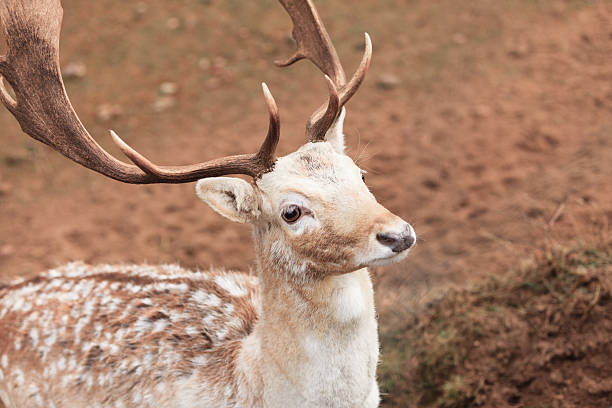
311 209
313 212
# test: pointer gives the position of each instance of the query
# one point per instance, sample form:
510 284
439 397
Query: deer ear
231 197
335 134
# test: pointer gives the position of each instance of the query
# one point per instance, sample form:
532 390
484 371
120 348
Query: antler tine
318 124
6 98
43 109
353 85
267 149
3 70
250 164
314 43
317 129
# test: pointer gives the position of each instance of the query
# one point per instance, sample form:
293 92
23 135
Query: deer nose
398 242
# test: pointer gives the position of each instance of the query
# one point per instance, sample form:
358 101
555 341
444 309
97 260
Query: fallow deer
303 333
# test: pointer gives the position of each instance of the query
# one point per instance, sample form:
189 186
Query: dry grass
539 337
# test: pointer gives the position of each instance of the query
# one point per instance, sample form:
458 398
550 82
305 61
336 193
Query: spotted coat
123 335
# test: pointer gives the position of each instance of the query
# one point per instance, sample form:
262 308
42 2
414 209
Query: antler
42 108
251 164
314 43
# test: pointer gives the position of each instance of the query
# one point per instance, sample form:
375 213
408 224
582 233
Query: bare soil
487 125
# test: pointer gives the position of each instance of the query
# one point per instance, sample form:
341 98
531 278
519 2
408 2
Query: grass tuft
520 340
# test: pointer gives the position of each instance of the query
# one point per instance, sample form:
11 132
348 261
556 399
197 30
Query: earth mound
542 337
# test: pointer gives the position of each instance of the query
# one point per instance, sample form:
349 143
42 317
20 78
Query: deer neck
316 340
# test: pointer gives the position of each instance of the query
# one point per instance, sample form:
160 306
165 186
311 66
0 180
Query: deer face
313 212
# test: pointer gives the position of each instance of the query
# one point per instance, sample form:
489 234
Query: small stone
164 103
74 70
7 250
212 83
5 188
173 23
107 111
220 62
15 159
558 9
459 39
557 377
141 8
244 33
388 81
431 184
168 88
482 111
191 21
204 64
518 49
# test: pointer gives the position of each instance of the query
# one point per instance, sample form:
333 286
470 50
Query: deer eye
291 214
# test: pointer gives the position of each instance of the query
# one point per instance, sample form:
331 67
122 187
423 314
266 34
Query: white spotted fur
303 333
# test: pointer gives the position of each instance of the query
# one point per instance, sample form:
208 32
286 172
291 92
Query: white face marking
381 255
4 361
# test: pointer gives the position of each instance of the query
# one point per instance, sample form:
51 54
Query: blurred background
486 124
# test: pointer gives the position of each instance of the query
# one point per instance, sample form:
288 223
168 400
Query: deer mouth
391 258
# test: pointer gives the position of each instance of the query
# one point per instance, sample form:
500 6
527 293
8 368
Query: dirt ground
487 125
478 123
